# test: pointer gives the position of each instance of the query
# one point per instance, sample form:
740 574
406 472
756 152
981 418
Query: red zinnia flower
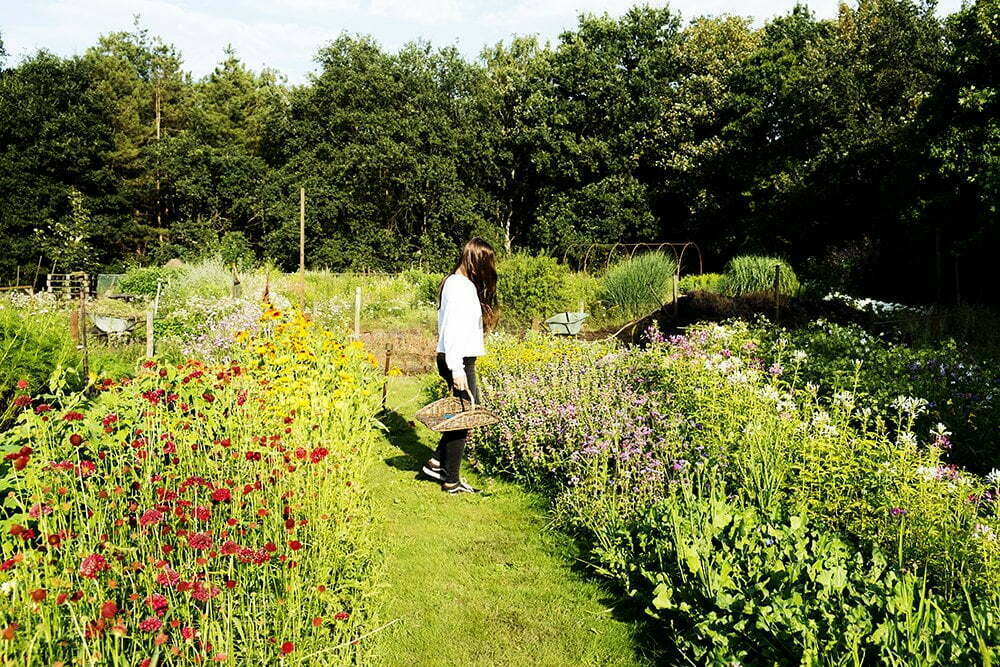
150 517
76 439
93 565
73 416
295 545
287 647
38 594
202 513
158 604
221 495
109 609
151 624
341 616
200 541
22 384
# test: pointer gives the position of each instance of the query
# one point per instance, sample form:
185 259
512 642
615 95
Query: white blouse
460 323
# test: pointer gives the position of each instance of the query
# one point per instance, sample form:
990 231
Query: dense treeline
866 148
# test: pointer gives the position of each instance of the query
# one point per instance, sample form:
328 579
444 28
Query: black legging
449 451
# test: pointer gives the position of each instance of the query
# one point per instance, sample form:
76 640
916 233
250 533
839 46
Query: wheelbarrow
566 324
113 327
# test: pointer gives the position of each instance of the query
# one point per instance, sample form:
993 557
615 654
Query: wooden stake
385 384
149 334
777 286
37 271
357 313
302 249
83 326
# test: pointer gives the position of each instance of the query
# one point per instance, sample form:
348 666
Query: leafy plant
426 284
638 285
708 282
143 280
529 287
756 273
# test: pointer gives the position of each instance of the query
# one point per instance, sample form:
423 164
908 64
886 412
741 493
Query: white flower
799 356
993 477
984 532
910 405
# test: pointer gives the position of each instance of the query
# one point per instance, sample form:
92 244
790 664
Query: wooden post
38 269
777 286
149 334
385 384
83 326
357 313
74 326
237 289
302 249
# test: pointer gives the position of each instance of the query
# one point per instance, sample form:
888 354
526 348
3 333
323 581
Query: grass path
478 580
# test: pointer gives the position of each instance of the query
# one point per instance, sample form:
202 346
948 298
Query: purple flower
897 511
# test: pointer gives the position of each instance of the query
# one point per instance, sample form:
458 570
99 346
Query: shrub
143 280
706 282
425 284
234 249
529 287
637 286
755 273
581 289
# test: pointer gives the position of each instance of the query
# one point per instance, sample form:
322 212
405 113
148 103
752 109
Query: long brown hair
478 263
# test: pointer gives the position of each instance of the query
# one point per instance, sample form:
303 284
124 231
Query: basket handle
472 400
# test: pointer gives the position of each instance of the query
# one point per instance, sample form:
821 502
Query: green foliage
637 286
762 517
581 288
235 250
142 280
32 346
708 282
725 572
529 287
427 285
754 273
68 241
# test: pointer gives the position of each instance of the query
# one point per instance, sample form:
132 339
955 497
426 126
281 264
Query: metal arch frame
679 249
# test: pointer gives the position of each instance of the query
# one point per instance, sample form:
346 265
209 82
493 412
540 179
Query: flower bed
759 520
194 513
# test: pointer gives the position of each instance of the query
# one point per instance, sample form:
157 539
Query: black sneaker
461 487
433 470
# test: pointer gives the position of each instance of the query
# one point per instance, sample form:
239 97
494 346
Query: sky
285 34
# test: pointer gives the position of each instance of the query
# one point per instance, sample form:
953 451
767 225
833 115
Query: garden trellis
588 256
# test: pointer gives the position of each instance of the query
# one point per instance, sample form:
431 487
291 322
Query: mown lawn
480 580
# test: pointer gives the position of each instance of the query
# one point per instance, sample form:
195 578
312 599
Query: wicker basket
455 414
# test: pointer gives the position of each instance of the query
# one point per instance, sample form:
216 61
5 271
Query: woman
466 300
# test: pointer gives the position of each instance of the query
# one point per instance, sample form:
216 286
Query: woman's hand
461 383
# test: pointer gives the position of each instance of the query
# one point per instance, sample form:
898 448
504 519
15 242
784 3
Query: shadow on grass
403 435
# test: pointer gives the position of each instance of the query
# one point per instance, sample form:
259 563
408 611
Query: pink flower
200 541
93 565
168 578
150 517
158 604
151 624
